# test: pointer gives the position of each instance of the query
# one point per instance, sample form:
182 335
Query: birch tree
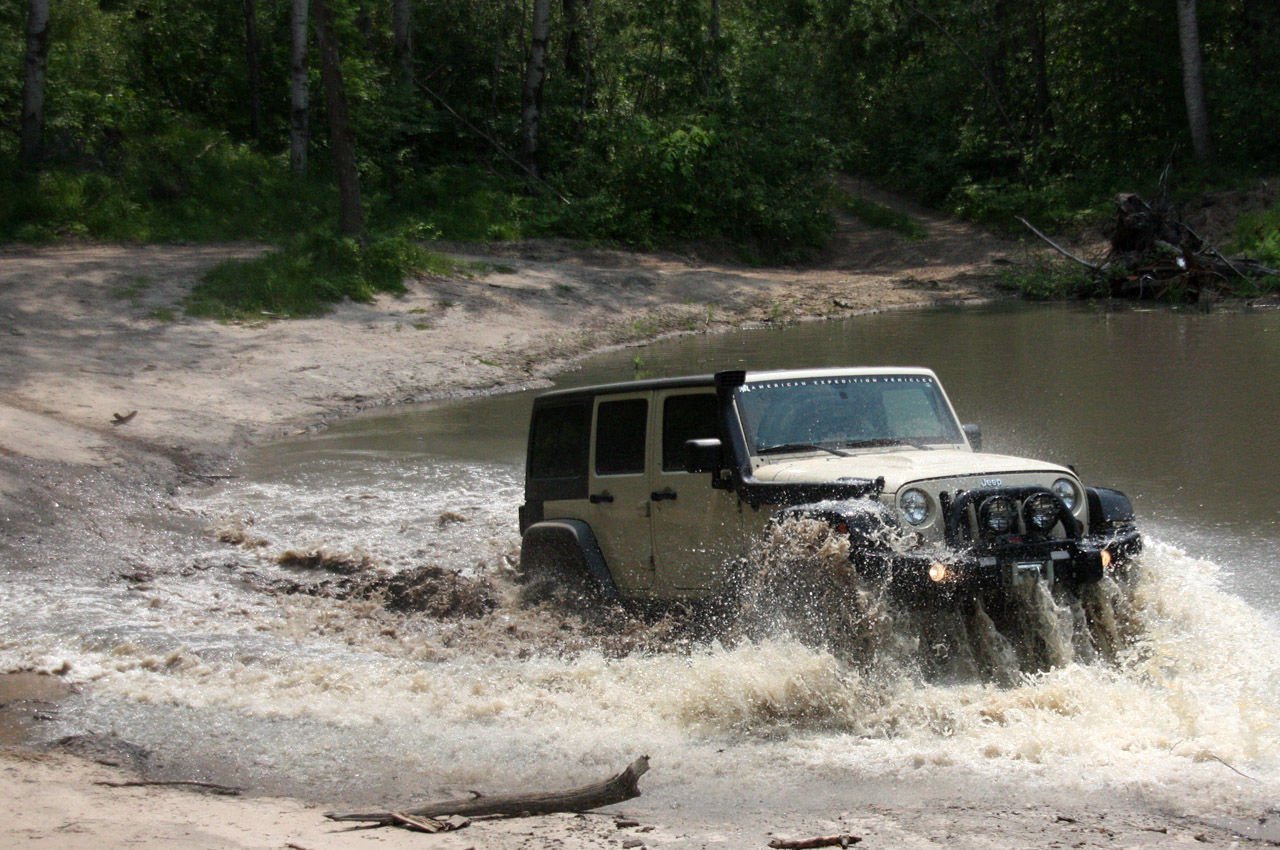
535 76
1193 78
299 93
252 55
37 54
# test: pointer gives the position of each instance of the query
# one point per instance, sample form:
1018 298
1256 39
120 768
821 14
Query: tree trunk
298 87
1193 79
578 67
351 214
32 141
1040 53
535 75
251 55
713 36
402 41
619 788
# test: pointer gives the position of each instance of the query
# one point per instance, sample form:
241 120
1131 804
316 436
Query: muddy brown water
1181 410
220 672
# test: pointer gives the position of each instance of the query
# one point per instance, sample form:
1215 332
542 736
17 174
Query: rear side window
558 441
685 418
620 433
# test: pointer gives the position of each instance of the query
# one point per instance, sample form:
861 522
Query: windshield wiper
885 441
799 447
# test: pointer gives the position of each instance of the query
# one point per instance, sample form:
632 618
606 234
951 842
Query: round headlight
998 514
915 506
1066 491
1041 511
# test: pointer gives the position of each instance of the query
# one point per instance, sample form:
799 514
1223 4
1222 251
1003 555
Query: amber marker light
937 571
1106 558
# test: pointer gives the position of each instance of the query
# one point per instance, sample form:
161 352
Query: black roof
576 393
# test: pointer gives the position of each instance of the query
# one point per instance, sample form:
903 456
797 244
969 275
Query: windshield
799 414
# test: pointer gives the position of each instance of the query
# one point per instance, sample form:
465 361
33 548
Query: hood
899 467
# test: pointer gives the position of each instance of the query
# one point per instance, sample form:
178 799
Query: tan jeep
655 489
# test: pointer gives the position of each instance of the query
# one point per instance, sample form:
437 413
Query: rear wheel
554 570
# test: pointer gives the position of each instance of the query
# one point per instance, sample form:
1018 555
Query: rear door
619 489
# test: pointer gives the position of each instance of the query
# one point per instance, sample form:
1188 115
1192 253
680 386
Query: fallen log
1153 255
616 789
842 840
211 787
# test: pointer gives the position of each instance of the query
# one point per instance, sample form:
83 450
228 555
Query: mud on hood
898 468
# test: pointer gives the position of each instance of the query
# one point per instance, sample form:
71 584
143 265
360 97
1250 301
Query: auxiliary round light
998 514
915 506
1041 511
937 571
1066 491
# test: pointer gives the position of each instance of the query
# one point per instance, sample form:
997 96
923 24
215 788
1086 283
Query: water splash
1150 682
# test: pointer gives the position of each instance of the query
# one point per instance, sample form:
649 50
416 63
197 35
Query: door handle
667 495
597 498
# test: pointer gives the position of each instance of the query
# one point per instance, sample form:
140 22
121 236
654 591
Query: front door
696 529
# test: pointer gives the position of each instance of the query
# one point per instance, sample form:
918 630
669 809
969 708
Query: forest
354 130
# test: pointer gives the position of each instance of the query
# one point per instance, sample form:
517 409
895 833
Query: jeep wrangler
654 489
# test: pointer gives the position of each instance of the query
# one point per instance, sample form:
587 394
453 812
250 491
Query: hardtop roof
708 380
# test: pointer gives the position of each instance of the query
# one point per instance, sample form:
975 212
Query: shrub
308 276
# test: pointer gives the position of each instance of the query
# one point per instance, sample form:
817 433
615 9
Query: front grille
967 528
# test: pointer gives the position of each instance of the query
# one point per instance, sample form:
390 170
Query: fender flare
1108 508
578 536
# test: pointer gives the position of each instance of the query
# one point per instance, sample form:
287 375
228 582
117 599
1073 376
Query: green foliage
458 202
1044 278
659 124
179 183
309 275
1258 237
698 178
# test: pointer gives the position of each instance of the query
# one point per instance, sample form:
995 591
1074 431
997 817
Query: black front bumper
1067 561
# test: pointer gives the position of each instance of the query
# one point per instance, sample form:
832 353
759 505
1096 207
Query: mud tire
555 572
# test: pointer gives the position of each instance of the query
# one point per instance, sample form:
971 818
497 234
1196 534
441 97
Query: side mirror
703 456
974 434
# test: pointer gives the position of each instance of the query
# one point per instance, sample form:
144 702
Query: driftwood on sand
842 840
616 789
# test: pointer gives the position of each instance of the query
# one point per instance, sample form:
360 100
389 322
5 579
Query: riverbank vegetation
648 123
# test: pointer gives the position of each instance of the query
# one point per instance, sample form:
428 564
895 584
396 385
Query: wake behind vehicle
656 489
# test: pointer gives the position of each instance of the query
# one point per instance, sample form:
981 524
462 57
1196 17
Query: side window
620 435
684 418
558 441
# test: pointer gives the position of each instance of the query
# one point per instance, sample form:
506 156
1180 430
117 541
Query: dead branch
1055 246
429 825
616 789
842 840
211 787
1153 255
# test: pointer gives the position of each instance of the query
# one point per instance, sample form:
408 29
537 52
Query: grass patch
310 275
875 214
1045 278
1258 237
132 291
